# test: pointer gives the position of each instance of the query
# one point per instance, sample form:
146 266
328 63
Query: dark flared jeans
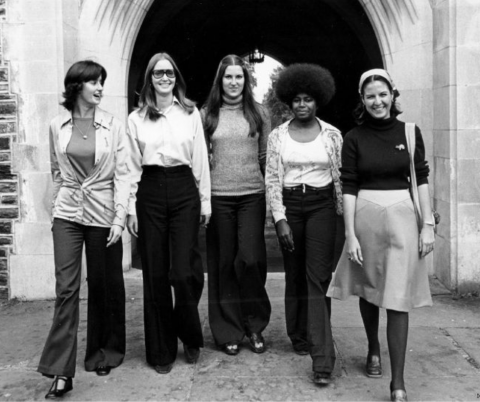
238 303
168 211
106 300
308 272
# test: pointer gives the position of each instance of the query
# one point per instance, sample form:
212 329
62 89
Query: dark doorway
337 34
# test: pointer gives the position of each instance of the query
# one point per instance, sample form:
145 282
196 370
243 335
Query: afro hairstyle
310 79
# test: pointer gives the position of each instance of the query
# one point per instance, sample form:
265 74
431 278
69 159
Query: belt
305 187
163 169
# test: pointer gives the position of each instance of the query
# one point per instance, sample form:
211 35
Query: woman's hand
205 220
354 250
426 241
132 225
285 235
114 235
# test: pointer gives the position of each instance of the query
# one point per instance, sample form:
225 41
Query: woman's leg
153 240
370 316
60 351
296 291
320 236
186 273
251 262
397 335
224 312
106 300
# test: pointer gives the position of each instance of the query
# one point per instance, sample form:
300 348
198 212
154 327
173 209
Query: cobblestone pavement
443 361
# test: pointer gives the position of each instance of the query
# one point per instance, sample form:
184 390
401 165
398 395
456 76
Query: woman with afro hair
304 193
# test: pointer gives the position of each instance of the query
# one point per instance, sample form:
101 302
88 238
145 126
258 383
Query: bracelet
429 223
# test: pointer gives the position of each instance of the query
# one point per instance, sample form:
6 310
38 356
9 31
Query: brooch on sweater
400 147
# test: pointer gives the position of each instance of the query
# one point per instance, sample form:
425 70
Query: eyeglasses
160 73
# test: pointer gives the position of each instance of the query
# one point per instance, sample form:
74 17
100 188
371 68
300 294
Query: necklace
84 136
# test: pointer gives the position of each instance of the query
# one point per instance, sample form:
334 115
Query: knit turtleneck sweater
237 159
375 157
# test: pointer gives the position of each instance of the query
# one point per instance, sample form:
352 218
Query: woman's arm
352 245
263 139
55 169
200 167
426 241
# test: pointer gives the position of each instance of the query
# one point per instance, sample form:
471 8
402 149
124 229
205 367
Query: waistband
306 188
153 169
384 196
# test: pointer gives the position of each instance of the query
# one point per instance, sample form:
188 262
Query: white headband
376 71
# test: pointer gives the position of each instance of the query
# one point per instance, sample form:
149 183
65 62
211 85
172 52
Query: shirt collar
143 111
99 115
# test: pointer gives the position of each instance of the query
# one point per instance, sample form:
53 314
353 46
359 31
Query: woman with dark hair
383 261
90 199
304 192
170 194
236 130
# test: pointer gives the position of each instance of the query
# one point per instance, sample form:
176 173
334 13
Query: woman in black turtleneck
383 261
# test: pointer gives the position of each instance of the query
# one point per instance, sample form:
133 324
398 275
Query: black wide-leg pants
106 300
168 212
238 303
308 272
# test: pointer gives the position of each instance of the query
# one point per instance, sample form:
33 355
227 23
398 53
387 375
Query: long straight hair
214 101
147 99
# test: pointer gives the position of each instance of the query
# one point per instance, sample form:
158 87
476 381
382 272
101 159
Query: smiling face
378 99
233 81
91 93
304 107
164 85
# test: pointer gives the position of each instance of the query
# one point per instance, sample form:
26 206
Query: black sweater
373 157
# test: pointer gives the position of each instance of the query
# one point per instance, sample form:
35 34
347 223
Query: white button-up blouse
175 139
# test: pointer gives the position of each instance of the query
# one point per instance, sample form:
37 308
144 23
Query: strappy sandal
54 392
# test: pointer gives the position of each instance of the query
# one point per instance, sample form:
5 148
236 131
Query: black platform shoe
54 392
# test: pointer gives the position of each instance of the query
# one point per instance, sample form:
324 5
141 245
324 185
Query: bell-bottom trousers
106 300
238 303
308 272
168 212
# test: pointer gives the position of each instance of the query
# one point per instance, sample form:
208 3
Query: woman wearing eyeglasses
170 195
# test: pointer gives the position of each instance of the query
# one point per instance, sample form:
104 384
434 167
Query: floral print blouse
333 141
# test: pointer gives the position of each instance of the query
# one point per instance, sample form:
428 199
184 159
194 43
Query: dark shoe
322 379
373 367
54 392
191 354
103 370
301 349
257 343
165 369
231 348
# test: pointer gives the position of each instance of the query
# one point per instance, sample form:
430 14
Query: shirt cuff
278 216
206 208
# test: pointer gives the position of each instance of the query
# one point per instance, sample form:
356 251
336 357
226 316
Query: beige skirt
393 275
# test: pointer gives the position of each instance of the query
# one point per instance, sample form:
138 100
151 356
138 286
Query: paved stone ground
442 363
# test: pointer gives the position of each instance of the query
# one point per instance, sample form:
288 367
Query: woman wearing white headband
383 261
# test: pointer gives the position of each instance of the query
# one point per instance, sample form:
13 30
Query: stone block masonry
9 208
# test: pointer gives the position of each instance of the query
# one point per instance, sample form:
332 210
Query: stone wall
8 181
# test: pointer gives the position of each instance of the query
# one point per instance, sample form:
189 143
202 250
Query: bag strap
410 135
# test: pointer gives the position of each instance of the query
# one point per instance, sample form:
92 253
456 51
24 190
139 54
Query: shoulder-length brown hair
214 101
147 99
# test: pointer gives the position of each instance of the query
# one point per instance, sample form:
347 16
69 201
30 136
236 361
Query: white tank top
306 163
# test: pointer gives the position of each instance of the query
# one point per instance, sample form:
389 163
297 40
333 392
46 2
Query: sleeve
349 169
272 177
200 167
55 169
134 164
421 165
121 180
207 137
263 139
